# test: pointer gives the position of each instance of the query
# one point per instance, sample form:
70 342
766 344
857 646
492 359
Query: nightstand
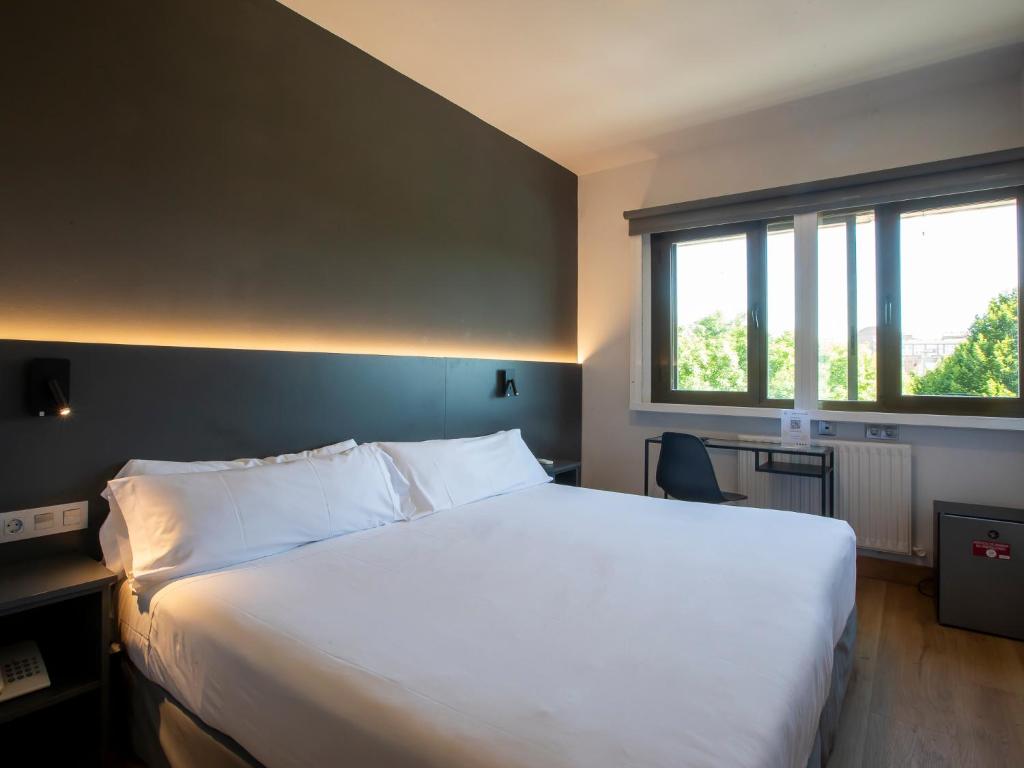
63 605
564 472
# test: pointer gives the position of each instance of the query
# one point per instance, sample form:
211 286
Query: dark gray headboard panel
547 409
189 404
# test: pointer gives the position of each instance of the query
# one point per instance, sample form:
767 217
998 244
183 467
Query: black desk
824 470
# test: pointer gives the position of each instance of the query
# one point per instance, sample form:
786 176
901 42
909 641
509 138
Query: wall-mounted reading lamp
507 383
49 386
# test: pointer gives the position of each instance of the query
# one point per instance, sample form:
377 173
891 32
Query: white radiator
872 491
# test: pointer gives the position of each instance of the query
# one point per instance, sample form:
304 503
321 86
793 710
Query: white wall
958 108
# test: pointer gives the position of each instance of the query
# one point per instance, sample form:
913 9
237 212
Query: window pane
958 292
781 311
847 332
711 314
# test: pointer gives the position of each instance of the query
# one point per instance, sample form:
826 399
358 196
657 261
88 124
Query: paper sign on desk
796 428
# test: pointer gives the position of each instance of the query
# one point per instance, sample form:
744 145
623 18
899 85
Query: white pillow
200 521
117 552
448 473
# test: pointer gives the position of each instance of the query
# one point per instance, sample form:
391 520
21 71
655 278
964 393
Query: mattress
554 626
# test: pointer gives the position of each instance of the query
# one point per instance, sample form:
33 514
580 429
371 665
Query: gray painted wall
229 174
959 108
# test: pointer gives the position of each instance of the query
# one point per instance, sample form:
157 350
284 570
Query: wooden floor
926 695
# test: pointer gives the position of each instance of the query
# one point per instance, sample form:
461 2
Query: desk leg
832 485
824 487
647 467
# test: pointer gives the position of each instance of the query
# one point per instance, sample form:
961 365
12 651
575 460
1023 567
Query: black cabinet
564 472
63 605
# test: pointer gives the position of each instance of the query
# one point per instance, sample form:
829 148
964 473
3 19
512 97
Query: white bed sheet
550 627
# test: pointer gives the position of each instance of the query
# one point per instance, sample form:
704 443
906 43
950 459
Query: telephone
21 670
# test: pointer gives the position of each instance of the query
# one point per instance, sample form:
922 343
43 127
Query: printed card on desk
796 428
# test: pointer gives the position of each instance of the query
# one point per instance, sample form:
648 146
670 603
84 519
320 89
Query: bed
548 627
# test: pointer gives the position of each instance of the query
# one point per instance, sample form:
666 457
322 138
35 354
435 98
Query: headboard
189 404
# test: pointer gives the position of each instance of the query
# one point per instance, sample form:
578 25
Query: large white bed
547 627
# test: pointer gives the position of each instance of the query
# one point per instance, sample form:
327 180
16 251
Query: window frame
663 313
889 317
889 357
852 362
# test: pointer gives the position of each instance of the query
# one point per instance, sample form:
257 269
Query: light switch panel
43 521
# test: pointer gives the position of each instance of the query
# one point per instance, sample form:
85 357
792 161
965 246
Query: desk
824 470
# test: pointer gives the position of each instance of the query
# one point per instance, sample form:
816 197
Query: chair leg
666 494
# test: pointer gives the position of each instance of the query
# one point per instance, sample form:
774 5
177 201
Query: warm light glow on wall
135 333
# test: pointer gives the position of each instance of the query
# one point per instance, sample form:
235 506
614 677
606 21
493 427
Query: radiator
872 491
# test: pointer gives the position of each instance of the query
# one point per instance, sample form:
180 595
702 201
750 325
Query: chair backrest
685 470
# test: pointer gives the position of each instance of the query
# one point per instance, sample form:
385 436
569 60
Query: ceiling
579 80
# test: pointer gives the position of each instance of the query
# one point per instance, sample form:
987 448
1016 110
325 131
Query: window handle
887 317
755 315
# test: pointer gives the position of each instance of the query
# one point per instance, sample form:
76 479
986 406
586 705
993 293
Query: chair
685 471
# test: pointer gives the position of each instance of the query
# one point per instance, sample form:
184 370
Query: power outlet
881 432
43 521
827 428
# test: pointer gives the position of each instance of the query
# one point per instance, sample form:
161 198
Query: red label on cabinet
993 550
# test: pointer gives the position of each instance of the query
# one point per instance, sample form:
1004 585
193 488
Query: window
952 309
847 299
951 276
724 307
710 322
780 311
918 297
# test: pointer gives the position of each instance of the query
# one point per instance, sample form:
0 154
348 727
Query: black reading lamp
507 383
49 387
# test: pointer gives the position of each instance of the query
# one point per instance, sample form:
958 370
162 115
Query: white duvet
549 627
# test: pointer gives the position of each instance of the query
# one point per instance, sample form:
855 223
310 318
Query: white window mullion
805 238
640 325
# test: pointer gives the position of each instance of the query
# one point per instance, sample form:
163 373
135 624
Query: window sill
863 417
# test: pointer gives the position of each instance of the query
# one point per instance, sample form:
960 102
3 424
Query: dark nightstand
564 472
63 605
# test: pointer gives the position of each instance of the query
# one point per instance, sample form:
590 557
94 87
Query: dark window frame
889 357
663 296
991 176
852 363
890 333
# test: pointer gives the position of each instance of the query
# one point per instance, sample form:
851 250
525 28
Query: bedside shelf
564 471
47 697
48 580
62 604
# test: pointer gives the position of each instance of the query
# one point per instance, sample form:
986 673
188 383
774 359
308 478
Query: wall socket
826 428
43 521
881 432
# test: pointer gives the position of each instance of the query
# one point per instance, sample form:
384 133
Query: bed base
166 735
842 669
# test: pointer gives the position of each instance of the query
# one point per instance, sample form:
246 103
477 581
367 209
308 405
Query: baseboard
891 570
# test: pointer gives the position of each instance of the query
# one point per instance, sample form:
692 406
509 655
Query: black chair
685 471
